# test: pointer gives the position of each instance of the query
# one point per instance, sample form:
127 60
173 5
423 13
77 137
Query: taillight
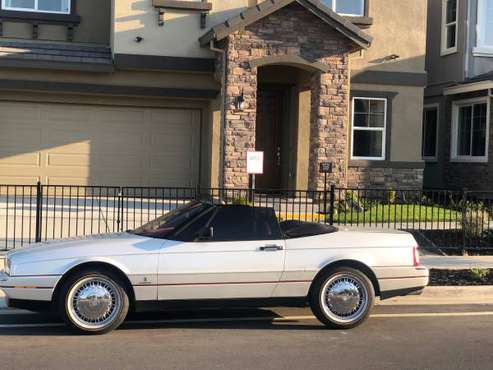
416 257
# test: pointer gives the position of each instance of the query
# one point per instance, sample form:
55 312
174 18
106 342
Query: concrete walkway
457 262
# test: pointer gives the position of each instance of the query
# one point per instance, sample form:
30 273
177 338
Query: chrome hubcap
344 298
94 303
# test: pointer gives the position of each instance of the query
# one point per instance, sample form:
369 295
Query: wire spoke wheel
94 303
344 298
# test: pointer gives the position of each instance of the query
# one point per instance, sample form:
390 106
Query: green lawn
399 213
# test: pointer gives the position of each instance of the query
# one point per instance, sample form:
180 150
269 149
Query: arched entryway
282 129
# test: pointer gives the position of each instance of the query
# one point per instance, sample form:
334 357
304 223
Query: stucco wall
449 68
177 37
407 108
94 26
399 27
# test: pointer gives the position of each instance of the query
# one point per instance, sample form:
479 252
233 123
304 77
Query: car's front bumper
31 288
398 281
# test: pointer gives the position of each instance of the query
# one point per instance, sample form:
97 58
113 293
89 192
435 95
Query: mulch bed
459 278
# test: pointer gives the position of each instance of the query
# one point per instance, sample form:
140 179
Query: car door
229 252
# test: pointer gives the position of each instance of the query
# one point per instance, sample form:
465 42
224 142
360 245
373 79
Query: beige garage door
98 145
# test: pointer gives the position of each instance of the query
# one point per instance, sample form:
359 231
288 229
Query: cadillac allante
204 253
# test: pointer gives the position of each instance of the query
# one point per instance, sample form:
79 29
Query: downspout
223 110
467 43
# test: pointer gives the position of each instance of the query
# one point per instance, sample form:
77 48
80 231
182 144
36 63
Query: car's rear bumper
398 281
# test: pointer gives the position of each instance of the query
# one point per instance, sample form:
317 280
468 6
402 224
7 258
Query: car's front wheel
93 302
342 298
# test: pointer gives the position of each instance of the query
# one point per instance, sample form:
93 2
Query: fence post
39 206
464 221
197 192
332 203
119 223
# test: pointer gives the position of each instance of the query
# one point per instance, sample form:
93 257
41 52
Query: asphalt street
409 337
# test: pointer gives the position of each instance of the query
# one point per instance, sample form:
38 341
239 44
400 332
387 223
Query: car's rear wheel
342 298
93 302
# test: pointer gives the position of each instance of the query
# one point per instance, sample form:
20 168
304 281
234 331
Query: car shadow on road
241 319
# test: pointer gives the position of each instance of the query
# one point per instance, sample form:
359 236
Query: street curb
446 295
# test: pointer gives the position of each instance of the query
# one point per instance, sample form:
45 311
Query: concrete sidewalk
457 262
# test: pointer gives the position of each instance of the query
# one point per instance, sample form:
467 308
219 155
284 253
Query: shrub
241 201
475 220
479 273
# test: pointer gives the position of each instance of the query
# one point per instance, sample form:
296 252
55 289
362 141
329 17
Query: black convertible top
298 229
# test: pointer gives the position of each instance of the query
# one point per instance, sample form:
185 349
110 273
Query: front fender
61 266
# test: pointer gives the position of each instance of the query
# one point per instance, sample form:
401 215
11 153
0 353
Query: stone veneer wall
385 177
290 30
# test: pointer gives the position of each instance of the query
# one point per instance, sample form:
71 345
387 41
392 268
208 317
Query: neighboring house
457 134
174 93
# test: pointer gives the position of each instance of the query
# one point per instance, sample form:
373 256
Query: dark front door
269 136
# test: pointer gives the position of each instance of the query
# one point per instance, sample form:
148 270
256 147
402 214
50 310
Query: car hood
101 245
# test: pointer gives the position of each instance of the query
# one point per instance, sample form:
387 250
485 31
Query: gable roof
257 12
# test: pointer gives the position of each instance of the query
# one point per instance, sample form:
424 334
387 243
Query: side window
240 223
194 230
449 26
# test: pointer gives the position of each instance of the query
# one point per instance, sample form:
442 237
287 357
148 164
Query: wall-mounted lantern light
239 102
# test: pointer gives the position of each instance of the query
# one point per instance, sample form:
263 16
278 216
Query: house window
484 44
470 131
347 7
369 121
449 26
41 6
430 132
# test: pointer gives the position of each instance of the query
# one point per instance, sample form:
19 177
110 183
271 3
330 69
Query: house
174 93
457 115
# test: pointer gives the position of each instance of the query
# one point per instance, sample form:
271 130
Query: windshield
165 225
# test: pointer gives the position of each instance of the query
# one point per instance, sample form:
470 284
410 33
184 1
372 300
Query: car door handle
271 248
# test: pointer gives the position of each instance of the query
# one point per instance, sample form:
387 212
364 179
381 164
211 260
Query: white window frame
443 49
382 129
433 158
363 5
455 133
481 50
36 10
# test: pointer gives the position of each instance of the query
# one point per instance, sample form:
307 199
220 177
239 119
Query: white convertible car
205 253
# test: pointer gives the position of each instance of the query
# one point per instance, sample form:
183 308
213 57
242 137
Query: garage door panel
18 113
70 114
18 180
15 135
96 145
12 158
85 160
118 116
171 116
68 180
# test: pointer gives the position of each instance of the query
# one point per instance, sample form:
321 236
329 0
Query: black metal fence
438 218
